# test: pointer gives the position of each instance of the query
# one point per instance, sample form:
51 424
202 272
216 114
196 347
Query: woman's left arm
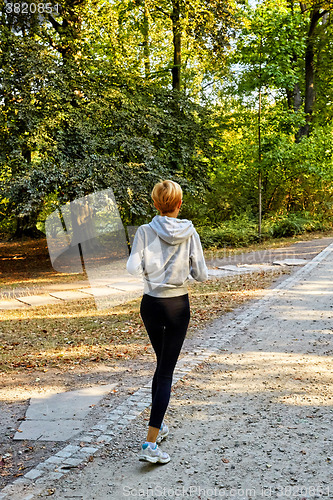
135 262
198 268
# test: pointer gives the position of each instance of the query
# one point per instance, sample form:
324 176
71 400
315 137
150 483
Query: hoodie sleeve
135 261
198 268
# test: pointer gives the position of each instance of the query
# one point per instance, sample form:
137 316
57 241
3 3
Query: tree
317 14
270 57
292 35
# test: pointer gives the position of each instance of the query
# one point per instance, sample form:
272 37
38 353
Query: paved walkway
59 416
251 419
115 291
300 250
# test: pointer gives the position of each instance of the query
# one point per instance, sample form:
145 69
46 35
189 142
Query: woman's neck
173 214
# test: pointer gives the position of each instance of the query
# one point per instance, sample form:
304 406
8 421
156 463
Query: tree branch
322 14
207 85
315 16
303 7
48 36
54 23
167 14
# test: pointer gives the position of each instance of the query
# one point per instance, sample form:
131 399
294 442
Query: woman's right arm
198 268
135 262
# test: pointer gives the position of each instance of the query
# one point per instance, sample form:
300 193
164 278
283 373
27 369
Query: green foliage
280 226
125 139
238 232
243 231
86 103
271 47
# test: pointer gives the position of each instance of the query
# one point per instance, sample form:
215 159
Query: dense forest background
230 98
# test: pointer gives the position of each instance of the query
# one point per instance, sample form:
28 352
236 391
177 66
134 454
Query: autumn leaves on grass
68 335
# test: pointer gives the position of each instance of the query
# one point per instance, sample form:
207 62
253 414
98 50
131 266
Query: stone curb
36 480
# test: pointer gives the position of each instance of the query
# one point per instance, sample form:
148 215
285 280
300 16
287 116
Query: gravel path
253 421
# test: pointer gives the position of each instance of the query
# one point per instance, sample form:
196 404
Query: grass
73 334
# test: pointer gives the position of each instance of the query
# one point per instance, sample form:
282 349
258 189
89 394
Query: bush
292 224
240 231
7 227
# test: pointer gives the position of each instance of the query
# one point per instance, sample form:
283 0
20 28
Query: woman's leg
166 321
155 329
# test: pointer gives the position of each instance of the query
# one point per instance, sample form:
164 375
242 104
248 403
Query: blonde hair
166 195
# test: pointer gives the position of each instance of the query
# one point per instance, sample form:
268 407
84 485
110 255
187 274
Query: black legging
166 320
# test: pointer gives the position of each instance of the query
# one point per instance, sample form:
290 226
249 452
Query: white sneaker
163 432
153 455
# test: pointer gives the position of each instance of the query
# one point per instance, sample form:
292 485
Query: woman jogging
165 252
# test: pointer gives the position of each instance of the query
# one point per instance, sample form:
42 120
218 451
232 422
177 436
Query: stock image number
32 8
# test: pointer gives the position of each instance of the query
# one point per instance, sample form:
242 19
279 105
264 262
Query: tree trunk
310 95
297 98
294 98
26 226
145 31
175 17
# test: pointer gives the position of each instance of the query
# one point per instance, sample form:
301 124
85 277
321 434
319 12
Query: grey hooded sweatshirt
165 252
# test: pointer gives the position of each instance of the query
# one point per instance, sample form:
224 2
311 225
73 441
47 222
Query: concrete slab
67 286
44 430
258 267
69 295
237 269
102 291
124 279
59 416
126 287
229 268
290 262
38 300
7 305
70 404
219 273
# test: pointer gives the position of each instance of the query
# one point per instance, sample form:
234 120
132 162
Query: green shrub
242 230
238 232
7 227
292 224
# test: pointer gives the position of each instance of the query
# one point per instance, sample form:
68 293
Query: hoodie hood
171 230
